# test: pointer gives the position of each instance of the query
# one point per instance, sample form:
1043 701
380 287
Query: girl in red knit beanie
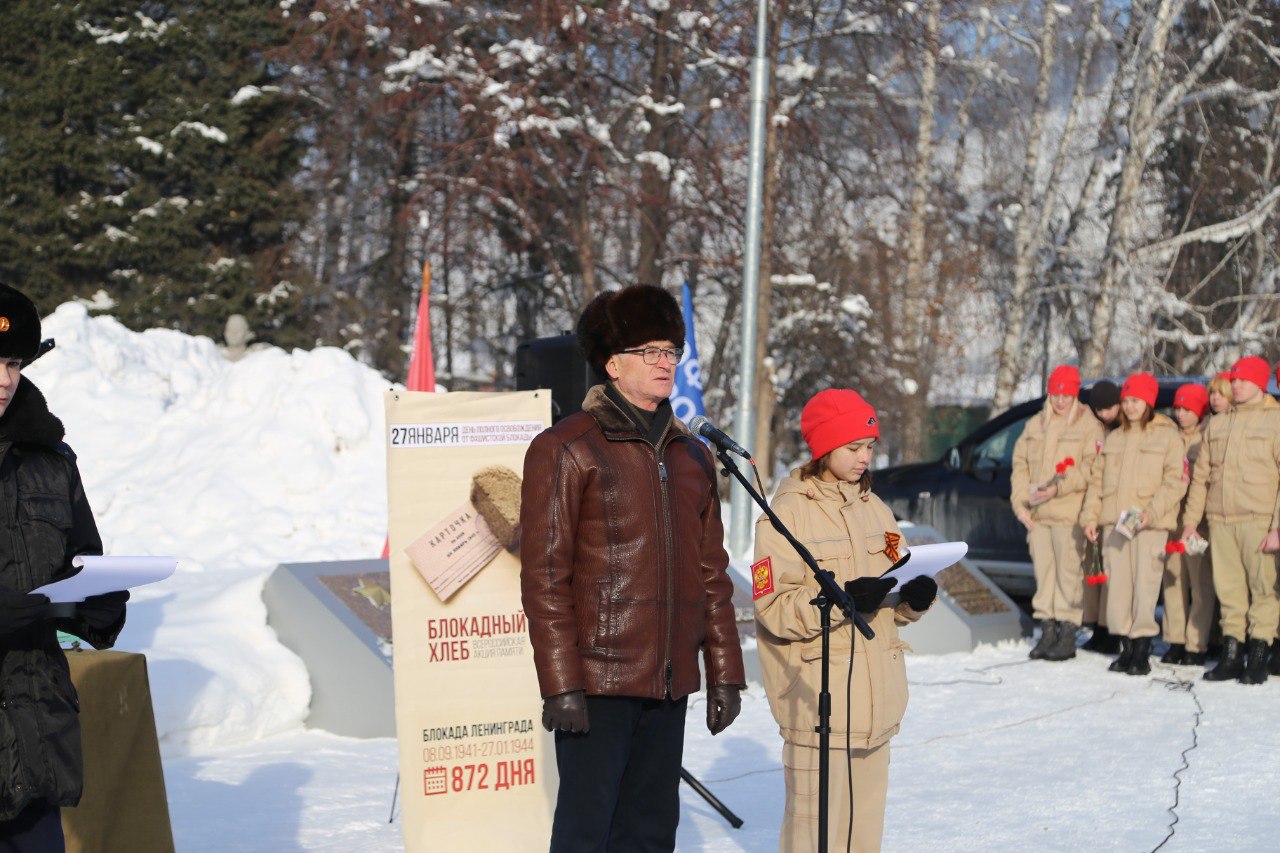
828 505
1134 497
1187 584
1051 463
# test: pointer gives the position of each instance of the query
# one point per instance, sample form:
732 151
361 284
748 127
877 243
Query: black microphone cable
848 730
1177 683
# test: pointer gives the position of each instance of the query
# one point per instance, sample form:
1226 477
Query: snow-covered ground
235 467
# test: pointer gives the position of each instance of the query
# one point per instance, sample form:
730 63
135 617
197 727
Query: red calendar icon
435 780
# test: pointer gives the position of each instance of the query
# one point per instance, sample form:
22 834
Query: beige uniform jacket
848 533
1138 467
1192 441
1237 475
1047 441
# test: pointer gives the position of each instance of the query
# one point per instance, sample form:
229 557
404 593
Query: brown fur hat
620 319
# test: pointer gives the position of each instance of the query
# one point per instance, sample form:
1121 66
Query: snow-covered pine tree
148 155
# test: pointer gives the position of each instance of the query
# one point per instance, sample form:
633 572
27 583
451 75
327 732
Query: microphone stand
830 595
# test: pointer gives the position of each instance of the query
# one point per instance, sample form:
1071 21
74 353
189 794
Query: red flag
422 370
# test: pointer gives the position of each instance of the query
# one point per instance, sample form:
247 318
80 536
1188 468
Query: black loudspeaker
556 363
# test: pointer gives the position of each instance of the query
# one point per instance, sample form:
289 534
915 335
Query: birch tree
915 318
1026 243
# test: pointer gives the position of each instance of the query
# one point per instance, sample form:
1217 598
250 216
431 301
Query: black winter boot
1255 670
1193 659
1140 663
1121 664
1177 654
1274 668
1230 665
1097 639
1048 636
1064 647
1103 642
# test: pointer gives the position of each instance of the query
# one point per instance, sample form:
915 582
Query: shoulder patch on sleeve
761 578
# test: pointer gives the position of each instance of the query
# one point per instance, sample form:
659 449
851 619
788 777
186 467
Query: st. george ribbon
703 427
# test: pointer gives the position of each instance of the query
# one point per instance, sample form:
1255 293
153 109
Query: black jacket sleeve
84 539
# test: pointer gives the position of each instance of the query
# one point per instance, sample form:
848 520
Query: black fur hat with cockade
19 325
622 319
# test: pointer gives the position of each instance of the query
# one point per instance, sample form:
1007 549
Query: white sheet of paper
928 560
100 575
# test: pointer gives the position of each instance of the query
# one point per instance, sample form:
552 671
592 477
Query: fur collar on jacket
615 422
28 420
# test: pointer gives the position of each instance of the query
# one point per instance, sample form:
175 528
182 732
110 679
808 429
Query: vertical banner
686 397
477 772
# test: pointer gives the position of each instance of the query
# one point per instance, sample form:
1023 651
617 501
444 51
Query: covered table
124 807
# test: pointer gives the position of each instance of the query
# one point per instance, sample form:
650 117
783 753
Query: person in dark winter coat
1104 400
46 522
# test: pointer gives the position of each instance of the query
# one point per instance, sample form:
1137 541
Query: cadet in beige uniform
1104 400
1221 396
1236 483
1140 469
1274 666
1188 583
1051 464
828 506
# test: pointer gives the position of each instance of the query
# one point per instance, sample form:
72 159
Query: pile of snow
232 467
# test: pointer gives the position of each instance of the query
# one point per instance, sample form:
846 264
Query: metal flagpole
745 422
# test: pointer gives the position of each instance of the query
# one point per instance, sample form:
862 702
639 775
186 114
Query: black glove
724 703
566 712
18 609
102 611
867 593
919 593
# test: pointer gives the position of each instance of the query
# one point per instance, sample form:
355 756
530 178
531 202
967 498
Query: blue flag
686 399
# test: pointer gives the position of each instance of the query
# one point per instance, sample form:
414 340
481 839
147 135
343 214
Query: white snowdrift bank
232 468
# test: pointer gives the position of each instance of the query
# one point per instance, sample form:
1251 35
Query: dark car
965 494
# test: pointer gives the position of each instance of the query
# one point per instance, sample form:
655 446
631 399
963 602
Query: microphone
703 427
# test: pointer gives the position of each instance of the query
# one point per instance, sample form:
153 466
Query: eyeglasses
651 354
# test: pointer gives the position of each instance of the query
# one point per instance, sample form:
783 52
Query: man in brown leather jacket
624 582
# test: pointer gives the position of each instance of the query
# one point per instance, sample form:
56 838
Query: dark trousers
36 829
619 782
